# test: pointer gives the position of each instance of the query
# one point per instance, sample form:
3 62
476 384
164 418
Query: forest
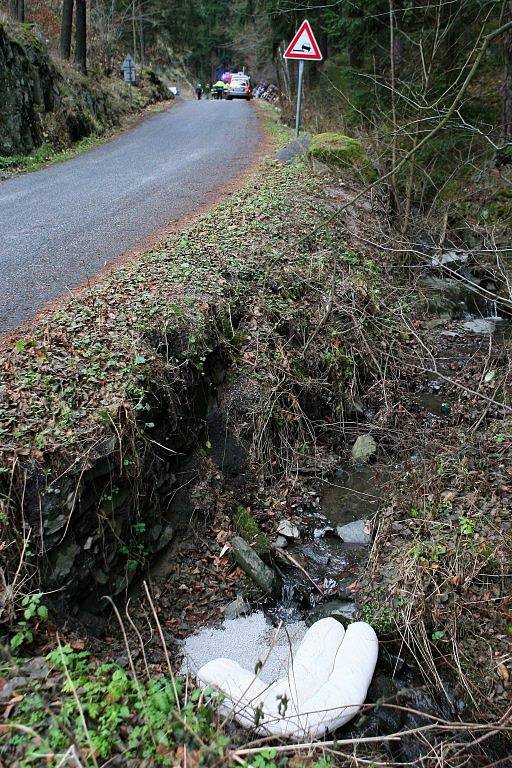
399 71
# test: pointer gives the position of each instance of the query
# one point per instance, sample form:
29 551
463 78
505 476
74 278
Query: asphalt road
61 225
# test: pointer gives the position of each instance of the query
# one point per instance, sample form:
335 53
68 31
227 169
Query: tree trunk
81 36
65 29
141 39
134 33
17 10
506 88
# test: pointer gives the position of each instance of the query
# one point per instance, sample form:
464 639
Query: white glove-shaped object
325 687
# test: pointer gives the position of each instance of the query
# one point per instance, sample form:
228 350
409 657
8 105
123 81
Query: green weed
105 709
34 611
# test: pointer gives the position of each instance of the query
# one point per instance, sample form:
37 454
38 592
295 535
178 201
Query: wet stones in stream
343 611
288 530
254 567
357 532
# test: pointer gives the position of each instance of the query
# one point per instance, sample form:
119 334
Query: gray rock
36 668
343 611
56 524
155 532
166 536
363 449
254 566
354 533
281 542
64 561
292 150
238 607
287 529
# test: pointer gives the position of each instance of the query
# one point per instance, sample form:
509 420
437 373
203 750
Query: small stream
351 497
335 524
270 633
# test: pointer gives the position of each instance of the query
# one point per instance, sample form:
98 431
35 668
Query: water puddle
434 403
354 494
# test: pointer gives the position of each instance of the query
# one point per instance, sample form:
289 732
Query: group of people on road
215 91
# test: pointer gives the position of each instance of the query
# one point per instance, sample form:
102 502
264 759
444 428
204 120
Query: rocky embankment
46 101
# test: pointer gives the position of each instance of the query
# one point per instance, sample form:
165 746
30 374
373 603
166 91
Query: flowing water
353 494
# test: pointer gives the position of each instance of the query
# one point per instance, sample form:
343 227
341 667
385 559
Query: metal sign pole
299 98
303 47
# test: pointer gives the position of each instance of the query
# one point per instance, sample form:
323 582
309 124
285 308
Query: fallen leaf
505 674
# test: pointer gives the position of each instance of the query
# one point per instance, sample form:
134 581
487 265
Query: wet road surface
61 225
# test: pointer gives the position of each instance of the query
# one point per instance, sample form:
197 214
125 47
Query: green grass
45 155
104 710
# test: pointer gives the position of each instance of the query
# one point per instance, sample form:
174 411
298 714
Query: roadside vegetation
96 364
333 294
50 111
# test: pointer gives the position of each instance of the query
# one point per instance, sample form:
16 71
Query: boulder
363 449
344 611
338 151
254 566
354 533
287 529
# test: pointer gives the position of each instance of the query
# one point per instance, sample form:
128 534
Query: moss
339 151
249 530
499 208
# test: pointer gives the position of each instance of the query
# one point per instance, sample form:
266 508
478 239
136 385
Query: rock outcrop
43 100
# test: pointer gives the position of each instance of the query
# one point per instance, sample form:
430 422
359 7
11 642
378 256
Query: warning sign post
303 47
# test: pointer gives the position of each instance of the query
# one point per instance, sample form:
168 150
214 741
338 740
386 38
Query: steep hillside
43 100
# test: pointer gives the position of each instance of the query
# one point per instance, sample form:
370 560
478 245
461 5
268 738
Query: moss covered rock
249 530
339 151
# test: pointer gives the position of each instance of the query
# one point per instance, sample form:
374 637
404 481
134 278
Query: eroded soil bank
216 385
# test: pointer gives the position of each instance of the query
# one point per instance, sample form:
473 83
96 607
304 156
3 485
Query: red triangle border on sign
316 54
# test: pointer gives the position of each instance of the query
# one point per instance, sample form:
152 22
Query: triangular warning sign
303 46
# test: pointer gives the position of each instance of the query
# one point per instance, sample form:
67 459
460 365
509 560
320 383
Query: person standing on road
218 89
199 90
